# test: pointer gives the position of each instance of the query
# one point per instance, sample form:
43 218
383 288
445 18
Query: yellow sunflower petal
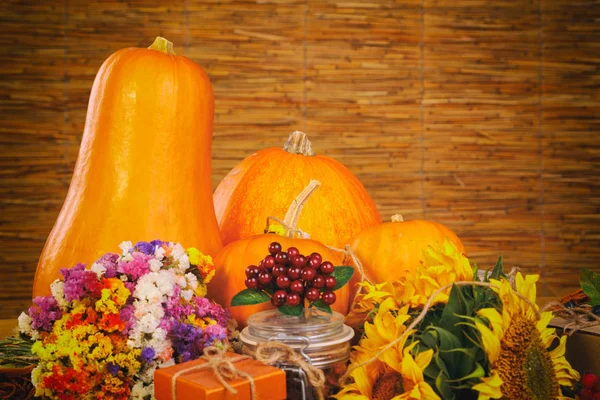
424 358
489 388
410 371
495 318
547 334
421 391
491 343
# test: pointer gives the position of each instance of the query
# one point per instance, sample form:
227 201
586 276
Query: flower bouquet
441 333
104 331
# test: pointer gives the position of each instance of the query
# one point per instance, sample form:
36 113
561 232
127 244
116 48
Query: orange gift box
204 385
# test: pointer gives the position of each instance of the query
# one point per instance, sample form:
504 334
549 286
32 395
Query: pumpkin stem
292 216
162 44
298 143
397 218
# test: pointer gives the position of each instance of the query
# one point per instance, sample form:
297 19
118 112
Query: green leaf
457 305
291 310
590 284
249 296
342 276
498 271
320 304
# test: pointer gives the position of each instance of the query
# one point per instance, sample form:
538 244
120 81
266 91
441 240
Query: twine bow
273 353
223 369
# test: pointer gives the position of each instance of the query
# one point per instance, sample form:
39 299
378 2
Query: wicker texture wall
478 114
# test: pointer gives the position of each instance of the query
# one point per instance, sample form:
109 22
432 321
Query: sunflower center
525 365
387 386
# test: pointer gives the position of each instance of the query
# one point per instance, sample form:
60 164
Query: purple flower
145 247
113 369
215 333
44 313
80 283
187 341
137 267
109 261
155 243
126 314
148 354
206 308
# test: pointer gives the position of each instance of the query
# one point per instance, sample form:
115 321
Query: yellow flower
200 290
388 324
114 294
395 374
194 255
441 267
519 346
204 263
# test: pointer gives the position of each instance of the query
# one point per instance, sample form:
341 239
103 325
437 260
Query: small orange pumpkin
266 182
144 169
389 250
231 262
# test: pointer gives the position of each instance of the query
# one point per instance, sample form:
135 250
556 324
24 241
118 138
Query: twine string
578 318
273 353
223 369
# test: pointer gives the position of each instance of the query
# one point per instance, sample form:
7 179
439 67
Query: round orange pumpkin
231 263
266 182
389 250
144 166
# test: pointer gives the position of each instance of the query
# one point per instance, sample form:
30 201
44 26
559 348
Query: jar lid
313 323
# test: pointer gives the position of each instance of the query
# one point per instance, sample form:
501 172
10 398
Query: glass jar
321 338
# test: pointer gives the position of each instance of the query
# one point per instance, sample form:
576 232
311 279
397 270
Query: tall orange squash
144 166
265 183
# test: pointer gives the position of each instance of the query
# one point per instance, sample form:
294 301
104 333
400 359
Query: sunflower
525 361
441 266
380 381
395 374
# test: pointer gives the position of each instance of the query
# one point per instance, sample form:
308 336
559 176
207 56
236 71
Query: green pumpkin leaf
320 304
590 284
296 311
248 297
342 275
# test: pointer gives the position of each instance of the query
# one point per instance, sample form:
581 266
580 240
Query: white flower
155 265
58 292
192 281
184 263
140 391
25 324
125 247
99 269
159 253
187 294
168 363
148 375
180 280
147 323
127 257
178 252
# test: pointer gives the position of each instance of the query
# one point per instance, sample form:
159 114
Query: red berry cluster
590 387
293 277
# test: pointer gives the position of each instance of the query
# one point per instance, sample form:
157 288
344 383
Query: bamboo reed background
483 115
